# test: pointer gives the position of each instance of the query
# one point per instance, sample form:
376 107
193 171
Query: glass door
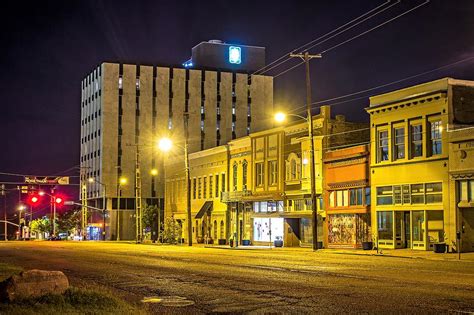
407 224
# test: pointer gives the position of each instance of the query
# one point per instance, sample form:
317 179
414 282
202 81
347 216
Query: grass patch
73 301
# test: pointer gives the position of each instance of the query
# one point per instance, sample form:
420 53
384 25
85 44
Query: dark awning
205 207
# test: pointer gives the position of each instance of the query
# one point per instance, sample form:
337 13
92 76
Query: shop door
292 235
402 229
467 230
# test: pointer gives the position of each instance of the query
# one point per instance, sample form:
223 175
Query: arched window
293 167
214 236
234 176
222 231
244 174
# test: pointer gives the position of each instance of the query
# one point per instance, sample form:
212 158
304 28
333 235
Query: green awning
207 206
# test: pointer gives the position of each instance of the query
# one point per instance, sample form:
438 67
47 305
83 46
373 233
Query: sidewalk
399 253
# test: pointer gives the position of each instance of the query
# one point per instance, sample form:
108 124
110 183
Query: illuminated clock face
235 55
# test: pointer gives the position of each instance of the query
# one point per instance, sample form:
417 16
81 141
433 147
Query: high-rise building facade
125 108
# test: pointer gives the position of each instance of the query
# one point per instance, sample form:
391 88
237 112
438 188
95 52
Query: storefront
348 230
415 229
267 222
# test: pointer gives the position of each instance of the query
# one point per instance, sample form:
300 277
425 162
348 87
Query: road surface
203 280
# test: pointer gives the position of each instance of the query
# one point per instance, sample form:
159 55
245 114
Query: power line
359 35
375 27
323 36
381 86
30 175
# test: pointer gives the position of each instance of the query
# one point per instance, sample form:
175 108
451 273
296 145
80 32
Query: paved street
278 280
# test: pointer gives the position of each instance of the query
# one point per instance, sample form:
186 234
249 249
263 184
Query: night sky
50 46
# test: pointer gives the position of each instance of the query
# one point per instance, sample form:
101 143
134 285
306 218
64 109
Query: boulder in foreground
33 283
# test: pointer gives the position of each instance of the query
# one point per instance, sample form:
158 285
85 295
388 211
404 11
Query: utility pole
306 58
188 181
5 213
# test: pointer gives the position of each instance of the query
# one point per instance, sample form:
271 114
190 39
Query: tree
68 221
40 225
149 216
172 231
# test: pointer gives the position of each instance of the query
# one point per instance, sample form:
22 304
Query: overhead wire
325 35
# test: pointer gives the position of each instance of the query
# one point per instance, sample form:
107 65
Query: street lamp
122 181
165 144
104 202
280 117
20 208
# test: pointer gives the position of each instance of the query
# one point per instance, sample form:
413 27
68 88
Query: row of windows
92 135
92 77
414 139
207 187
350 197
91 117
268 206
244 175
90 99
90 155
428 193
272 173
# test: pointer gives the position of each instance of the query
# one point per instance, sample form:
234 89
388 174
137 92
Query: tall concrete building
125 108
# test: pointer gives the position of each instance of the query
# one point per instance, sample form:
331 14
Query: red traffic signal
33 200
58 200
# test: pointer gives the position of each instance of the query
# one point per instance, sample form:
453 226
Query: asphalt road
276 281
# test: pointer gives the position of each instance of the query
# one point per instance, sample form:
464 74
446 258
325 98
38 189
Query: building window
273 167
194 188
385 225
204 187
211 186
356 197
382 143
234 177
199 188
417 193
385 195
244 175
416 140
259 174
399 143
217 186
435 137
434 192
299 204
222 182
293 167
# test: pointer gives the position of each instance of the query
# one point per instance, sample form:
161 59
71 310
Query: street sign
47 180
69 203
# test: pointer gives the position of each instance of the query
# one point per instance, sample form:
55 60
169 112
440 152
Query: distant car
54 238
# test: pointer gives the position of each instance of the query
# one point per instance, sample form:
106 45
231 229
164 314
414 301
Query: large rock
33 283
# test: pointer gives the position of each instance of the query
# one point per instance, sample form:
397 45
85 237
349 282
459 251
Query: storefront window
418 231
342 229
384 195
434 193
306 231
417 193
267 229
385 225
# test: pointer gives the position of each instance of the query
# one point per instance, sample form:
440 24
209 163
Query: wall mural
342 229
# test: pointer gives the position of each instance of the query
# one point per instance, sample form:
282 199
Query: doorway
403 229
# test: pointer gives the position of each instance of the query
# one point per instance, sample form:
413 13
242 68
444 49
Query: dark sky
49 46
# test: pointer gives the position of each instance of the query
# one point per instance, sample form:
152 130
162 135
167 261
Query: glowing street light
165 144
154 172
280 117
122 181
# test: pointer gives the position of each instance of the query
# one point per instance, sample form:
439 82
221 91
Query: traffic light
33 199
58 200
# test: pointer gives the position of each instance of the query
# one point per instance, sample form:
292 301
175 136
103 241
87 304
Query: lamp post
122 181
20 208
165 145
280 117
104 202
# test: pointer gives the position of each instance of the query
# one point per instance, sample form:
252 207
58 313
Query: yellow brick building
409 163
